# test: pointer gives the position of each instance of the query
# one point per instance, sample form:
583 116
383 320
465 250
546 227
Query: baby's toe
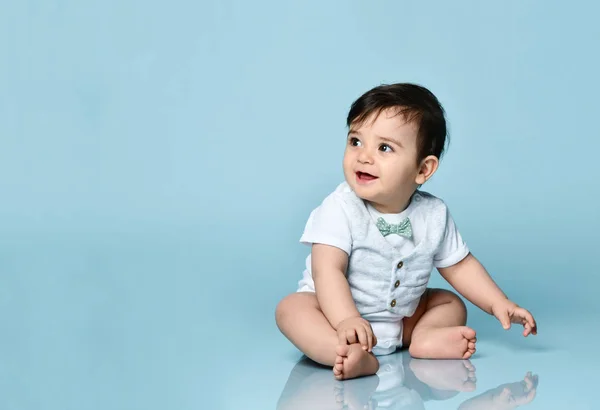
339 359
337 374
468 333
342 350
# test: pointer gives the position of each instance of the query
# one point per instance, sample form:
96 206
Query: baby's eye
385 148
354 142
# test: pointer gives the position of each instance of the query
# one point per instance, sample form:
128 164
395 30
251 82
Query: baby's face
380 161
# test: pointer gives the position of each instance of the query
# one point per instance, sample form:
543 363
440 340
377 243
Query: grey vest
380 277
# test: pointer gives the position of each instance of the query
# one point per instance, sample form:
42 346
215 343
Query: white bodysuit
387 274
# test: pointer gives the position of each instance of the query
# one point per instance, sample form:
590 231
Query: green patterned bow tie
404 228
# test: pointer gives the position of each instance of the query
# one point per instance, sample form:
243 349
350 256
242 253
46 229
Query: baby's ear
427 168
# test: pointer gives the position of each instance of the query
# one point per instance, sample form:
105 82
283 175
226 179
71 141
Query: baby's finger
504 319
371 338
362 337
342 339
527 320
351 336
531 322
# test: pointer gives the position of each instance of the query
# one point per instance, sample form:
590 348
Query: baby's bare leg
437 330
301 320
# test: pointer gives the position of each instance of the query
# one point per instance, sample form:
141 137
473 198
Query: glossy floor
556 370
132 325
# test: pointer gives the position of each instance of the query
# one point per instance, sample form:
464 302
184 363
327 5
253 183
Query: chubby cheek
347 163
395 177
349 175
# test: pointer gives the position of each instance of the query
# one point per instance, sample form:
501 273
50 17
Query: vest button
400 265
393 303
397 284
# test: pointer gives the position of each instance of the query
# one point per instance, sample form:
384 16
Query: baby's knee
444 296
290 305
455 299
283 309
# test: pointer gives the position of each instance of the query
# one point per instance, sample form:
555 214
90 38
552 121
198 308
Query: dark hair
416 103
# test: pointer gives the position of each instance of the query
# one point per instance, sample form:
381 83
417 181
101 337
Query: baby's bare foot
448 375
456 342
353 361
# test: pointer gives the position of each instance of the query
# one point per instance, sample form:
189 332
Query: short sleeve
453 249
329 224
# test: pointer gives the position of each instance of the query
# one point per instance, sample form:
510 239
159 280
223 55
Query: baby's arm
329 266
471 280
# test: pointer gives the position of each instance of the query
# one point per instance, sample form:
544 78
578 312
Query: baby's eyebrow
392 140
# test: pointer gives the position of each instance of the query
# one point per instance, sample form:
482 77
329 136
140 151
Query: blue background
158 163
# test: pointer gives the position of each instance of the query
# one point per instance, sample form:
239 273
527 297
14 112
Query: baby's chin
358 189
366 193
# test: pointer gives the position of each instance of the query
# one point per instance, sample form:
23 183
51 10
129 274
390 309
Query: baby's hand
356 330
507 312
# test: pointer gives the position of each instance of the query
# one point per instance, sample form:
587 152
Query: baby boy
374 242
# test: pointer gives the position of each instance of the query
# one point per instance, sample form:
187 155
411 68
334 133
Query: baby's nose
365 157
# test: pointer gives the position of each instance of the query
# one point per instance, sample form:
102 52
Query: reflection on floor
401 383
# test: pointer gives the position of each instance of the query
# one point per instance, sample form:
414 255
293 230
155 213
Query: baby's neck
391 208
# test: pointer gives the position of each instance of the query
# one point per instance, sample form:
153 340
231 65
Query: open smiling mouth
365 177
